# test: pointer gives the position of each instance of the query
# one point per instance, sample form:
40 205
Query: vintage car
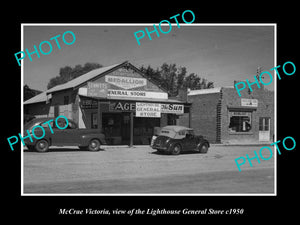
90 139
177 139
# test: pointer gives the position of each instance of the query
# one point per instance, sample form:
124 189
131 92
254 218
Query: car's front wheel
42 146
94 145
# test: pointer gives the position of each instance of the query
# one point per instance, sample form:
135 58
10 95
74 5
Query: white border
151 24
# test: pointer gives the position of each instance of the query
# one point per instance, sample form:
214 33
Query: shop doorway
143 129
116 127
264 128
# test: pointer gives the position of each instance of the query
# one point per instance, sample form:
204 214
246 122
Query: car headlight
168 140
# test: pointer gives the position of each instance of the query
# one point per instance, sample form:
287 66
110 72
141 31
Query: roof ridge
83 78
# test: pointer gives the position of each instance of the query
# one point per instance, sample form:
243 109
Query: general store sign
249 102
144 109
172 108
136 94
126 82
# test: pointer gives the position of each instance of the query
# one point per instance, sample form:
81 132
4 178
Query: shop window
240 121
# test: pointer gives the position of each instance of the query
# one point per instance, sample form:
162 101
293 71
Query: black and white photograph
158 115
149 112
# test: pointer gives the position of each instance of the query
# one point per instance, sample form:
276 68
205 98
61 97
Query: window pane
261 123
266 125
240 122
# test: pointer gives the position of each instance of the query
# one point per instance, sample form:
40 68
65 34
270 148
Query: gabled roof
83 78
42 97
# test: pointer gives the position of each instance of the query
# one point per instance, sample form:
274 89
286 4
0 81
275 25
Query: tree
151 73
68 73
194 82
174 79
29 93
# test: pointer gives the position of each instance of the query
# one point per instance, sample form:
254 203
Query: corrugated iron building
119 99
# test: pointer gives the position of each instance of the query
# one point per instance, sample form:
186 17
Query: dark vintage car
177 139
90 139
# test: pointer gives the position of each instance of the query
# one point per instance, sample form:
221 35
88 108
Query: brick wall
210 114
265 108
204 115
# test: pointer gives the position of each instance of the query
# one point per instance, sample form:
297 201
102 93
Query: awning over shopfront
84 93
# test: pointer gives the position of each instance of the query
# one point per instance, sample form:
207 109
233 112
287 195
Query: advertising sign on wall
137 94
249 102
121 106
144 109
89 104
97 89
172 108
126 82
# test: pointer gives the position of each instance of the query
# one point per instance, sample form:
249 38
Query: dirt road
142 170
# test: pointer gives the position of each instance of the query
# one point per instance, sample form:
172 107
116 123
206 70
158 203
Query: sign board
97 89
144 109
89 104
249 102
126 82
240 113
137 94
122 106
172 108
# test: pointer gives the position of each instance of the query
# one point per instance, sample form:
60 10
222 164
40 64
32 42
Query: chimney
182 94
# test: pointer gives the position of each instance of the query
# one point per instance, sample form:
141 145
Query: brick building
223 117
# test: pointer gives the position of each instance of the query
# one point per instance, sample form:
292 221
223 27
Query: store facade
222 116
120 100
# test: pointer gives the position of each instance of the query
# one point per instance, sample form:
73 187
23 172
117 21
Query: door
67 136
189 142
125 124
264 128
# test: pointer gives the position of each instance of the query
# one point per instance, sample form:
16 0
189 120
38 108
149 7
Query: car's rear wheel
94 145
42 146
176 149
203 148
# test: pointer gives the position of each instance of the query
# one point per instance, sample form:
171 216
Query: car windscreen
167 133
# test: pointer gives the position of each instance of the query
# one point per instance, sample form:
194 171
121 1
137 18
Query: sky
217 53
